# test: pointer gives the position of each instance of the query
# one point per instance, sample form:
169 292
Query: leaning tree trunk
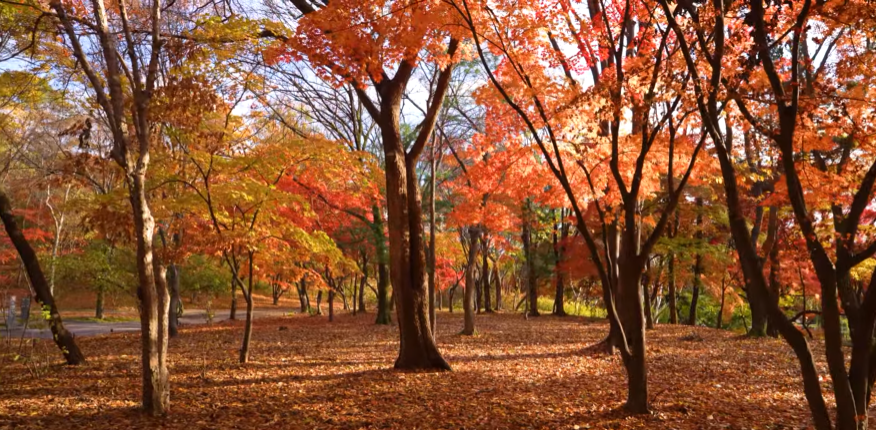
468 303
63 338
319 302
173 313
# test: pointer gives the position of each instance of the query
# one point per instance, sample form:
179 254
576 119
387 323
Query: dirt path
92 328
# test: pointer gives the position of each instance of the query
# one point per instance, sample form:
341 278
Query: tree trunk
383 314
417 348
695 295
698 266
532 290
559 248
154 304
98 308
649 320
720 317
485 276
630 311
331 300
302 295
772 330
247 330
233 313
319 302
362 283
498 288
432 317
673 293
173 310
468 304
63 338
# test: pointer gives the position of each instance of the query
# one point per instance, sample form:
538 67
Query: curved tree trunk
63 338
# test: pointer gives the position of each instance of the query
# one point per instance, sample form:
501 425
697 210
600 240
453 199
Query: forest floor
309 373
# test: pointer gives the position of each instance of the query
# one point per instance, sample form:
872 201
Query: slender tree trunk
532 290
673 293
63 338
772 330
98 308
247 296
319 302
649 321
383 277
698 266
468 304
233 313
560 235
485 278
720 317
432 317
695 295
498 287
173 310
363 281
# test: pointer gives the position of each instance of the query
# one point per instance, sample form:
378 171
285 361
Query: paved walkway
91 328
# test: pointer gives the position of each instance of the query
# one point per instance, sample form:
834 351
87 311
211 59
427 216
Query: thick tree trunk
331 300
630 311
63 338
407 257
302 295
468 304
173 310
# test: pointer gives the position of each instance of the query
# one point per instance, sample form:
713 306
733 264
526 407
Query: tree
414 28
564 131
